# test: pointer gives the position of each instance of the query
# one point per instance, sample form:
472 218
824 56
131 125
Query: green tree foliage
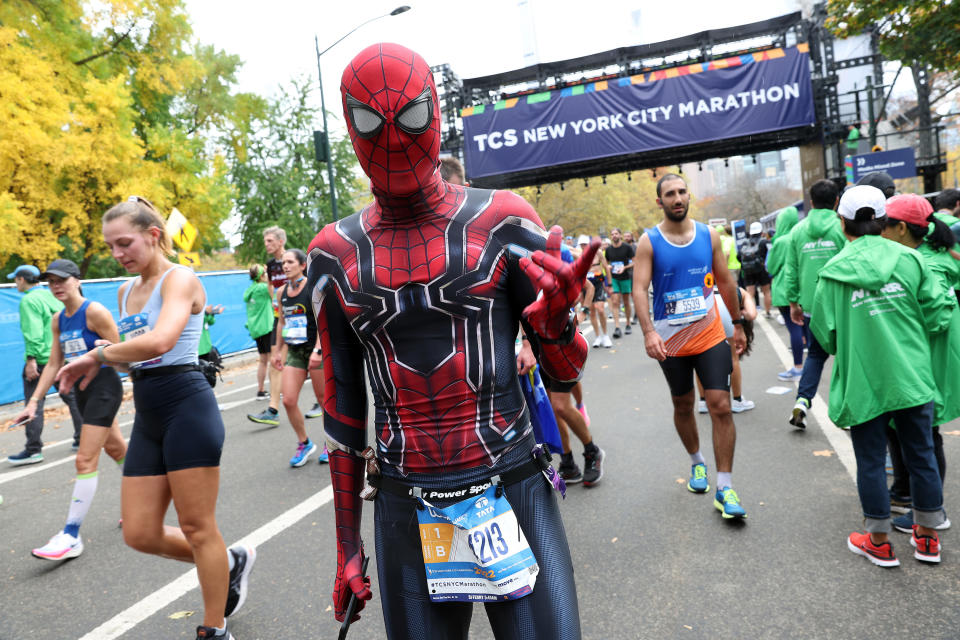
103 99
925 32
626 201
275 174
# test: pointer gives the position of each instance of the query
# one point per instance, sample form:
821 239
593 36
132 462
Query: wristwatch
740 320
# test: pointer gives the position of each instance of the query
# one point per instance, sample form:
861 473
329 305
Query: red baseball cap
909 208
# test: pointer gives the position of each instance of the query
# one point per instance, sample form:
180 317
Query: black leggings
550 612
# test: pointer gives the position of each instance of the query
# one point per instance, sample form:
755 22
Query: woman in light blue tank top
76 329
178 433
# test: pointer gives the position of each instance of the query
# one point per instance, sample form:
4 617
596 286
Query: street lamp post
323 104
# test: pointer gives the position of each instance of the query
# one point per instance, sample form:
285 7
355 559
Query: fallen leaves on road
605 366
181 614
826 453
951 433
614 539
680 480
686 626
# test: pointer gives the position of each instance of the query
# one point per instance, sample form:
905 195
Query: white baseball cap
862 197
756 228
584 239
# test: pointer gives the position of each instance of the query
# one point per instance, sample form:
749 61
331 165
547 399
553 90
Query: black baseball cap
62 268
881 180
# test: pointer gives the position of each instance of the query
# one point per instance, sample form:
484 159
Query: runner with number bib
76 329
296 350
177 438
684 260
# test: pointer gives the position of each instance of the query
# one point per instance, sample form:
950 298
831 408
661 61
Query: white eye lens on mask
367 122
415 117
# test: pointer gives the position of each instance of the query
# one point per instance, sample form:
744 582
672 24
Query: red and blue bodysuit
425 291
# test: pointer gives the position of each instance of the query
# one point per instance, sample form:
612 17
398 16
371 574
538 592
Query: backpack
211 364
750 259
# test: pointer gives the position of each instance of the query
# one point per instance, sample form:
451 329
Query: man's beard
676 217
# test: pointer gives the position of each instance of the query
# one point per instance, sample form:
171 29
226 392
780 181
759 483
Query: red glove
559 282
346 472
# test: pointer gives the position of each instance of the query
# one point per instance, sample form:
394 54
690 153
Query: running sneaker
879 554
23 458
592 466
582 408
209 632
324 456
266 416
74 446
263 395
315 412
790 374
627 330
598 342
926 548
698 479
606 341
702 406
304 451
798 419
727 502
61 546
569 471
904 523
781 321
739 406
243 559
616 332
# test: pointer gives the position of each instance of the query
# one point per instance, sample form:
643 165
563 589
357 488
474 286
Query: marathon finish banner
728 98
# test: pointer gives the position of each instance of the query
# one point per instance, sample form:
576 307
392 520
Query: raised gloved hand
558 282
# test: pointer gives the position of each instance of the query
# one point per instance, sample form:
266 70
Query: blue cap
24 270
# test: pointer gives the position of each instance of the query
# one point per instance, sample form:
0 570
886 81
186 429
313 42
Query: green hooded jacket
776 257
945 347
814 240
874 307
37 306
259 310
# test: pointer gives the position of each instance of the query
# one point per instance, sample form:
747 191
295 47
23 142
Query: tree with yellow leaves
102 100
626 201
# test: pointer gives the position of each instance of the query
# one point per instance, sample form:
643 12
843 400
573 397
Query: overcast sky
475 38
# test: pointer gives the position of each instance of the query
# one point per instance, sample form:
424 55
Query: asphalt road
652 560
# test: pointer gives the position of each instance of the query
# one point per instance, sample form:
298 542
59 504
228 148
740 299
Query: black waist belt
149 372
407 490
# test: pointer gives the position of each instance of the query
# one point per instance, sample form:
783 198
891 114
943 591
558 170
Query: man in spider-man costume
425 287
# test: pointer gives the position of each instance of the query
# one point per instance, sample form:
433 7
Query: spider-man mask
390 104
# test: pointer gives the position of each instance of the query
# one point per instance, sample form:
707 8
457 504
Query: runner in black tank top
296 350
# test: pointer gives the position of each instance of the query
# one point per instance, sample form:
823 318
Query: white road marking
126 620
838 439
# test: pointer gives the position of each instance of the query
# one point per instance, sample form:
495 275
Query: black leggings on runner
549 613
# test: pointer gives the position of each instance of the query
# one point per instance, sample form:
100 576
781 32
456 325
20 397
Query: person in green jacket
776 261
909 221
811 243
728 244
259 321
874 308
36 308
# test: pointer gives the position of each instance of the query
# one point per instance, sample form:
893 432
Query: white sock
723 480
231 561
697 458
83 491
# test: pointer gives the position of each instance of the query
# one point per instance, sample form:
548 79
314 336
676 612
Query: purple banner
729 98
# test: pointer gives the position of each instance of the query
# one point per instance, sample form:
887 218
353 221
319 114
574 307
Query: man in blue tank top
684 260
